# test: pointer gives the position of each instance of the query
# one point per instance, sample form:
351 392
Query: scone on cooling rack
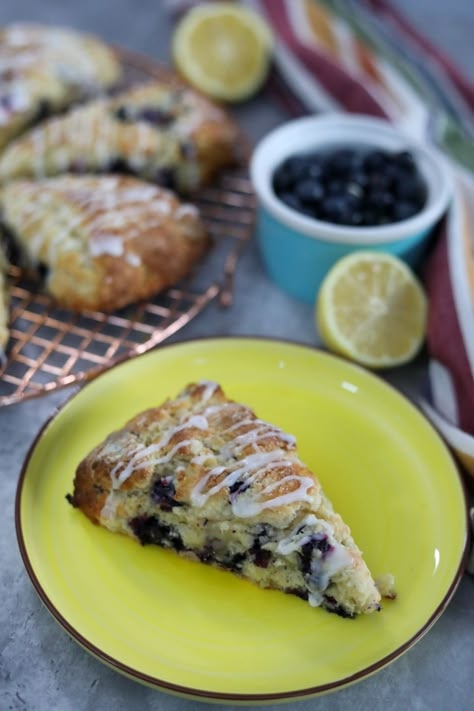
163 133
203 475
45 69
102 241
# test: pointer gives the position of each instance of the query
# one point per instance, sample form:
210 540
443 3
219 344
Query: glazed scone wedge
203 475
102 241
169 135
44 70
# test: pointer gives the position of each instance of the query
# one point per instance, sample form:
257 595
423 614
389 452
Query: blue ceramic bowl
298 250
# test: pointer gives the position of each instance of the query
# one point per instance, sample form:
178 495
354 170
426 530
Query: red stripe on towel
350 93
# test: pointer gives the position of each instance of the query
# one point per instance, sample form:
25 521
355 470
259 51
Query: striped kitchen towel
364 57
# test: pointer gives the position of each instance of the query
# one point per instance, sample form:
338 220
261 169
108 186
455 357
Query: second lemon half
223 49
372 309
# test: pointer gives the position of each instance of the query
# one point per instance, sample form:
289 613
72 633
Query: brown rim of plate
226 696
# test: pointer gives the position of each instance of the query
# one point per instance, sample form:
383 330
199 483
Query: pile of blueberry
352 186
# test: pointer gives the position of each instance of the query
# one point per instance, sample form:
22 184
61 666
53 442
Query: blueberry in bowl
331 184
353 185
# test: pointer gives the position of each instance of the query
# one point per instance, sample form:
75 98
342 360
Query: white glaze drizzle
337 560
201 459
250 468
186 210
133 259
139 158
121 473
246 466
26 50
63 49
37 48
114 213
209 390
18 100
136 462
241 423
101 143
246 508
16 61
107 245
315 598
323 568
296 539
265 431
198 112
110 506
214 409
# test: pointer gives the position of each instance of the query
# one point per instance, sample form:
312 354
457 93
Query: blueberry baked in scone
45 69
202 475
163 133
102 242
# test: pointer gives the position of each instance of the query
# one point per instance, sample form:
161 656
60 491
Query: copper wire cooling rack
50 347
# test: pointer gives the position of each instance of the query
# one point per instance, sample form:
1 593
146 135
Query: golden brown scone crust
45 69
203 475
105 241
165 134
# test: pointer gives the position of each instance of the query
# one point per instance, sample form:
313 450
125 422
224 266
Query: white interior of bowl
338 130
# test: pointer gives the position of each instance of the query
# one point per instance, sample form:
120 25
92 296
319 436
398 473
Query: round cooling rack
51 347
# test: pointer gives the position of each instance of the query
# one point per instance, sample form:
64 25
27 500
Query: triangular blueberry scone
163 133
102 242
202 475
45 69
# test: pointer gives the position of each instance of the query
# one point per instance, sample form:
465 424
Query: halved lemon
372 309
223 49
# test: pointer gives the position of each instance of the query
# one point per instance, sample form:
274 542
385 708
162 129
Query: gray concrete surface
40 666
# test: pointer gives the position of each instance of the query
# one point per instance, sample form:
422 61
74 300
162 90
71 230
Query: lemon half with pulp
372 309
223 49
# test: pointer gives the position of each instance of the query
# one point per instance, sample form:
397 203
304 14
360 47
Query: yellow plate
189 628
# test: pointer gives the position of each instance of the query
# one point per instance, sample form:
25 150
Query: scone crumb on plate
386 586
